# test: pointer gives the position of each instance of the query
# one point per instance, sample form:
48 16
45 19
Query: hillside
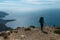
30 34
3 22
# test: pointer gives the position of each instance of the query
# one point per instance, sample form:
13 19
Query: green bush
5 37
57 27
32 26
57 31
27 29
11 30
15 31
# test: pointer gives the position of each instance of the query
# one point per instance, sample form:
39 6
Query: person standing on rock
41 21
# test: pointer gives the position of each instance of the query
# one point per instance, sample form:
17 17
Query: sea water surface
25 19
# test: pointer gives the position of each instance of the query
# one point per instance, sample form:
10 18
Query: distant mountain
3 27
3 22
3 14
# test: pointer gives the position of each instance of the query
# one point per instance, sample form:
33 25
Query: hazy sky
15 7
27 5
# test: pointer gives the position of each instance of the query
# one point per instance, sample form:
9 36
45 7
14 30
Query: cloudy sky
28 5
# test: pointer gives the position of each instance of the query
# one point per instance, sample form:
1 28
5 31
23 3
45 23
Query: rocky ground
30 34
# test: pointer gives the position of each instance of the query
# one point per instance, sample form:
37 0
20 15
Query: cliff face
32 34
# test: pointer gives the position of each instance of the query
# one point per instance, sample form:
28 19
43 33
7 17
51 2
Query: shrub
27 29
57 31
11 31
32 26
57 27
14 31
18 28
5 37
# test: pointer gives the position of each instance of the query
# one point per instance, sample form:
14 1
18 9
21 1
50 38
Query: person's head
41 20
